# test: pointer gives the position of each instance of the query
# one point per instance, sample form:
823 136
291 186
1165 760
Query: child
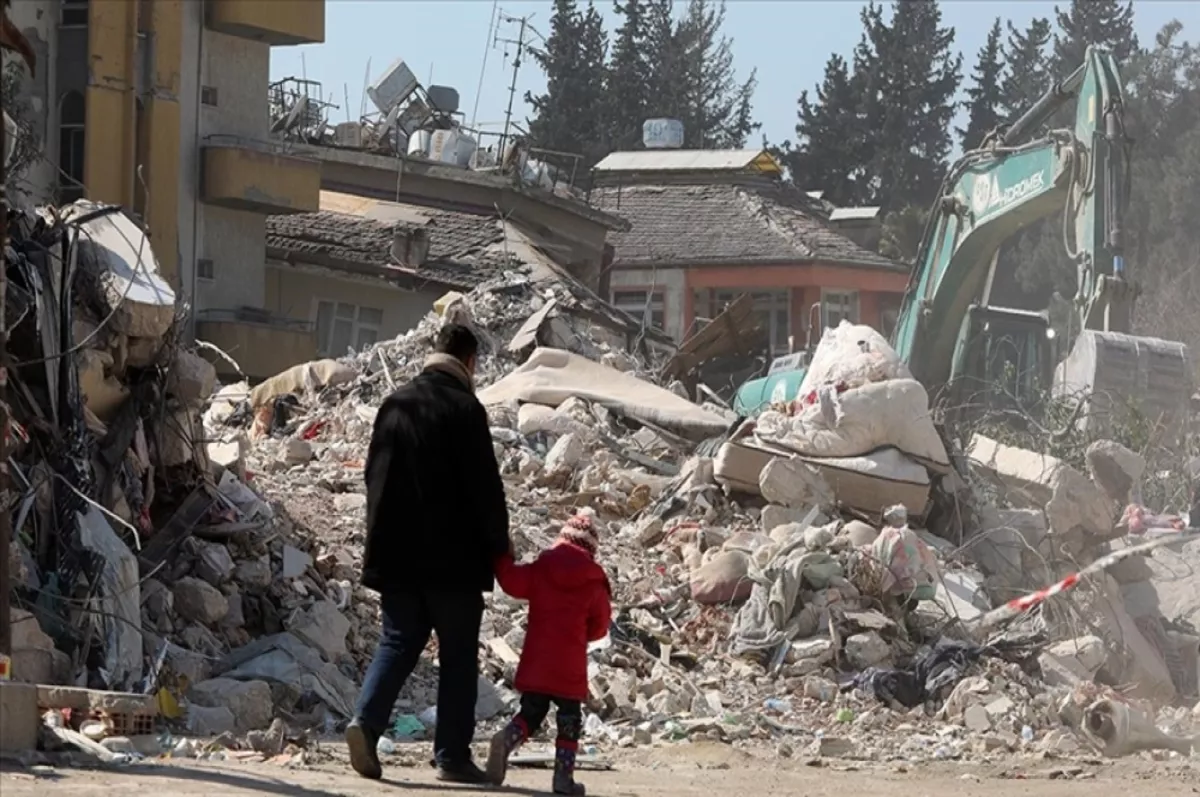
569 606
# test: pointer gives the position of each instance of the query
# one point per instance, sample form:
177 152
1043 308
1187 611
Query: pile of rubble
776 580
747 609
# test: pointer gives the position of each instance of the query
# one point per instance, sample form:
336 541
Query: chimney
410 247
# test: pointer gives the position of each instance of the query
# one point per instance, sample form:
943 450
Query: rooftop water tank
662 134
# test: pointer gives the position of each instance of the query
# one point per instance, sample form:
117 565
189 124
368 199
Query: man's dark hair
456 340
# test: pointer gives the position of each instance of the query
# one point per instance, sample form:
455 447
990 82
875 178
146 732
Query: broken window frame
639 302
357 326
774 307
837 305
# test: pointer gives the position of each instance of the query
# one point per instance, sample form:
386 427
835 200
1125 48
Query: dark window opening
73 13
71 142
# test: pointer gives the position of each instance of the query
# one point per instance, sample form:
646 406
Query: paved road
242 780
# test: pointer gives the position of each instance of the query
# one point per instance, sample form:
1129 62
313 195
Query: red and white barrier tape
1018 606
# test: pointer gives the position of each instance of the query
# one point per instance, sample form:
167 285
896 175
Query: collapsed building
199 545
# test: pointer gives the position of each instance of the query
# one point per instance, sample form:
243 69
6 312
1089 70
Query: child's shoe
564 772
504 743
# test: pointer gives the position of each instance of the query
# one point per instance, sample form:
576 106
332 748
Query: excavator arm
949 332
989 195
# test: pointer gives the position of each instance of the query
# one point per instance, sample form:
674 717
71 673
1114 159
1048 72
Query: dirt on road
675 772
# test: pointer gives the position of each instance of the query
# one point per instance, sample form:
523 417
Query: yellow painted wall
111 139
162 147
119 137
292 293
261 350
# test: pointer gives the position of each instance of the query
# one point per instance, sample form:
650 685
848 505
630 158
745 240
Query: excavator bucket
1119 374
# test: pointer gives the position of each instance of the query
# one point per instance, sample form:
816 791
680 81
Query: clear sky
787 41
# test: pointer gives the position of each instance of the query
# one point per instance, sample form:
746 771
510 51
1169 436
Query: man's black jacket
436 512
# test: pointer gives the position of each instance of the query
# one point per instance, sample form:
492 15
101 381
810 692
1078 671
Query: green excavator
967 351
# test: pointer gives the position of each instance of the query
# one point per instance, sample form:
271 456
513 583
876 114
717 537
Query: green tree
1163 117
1026 68
830 134
911 76
568 117
692 77
628 76
1108 23
983 98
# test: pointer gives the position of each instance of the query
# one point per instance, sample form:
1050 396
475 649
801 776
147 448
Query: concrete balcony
273 22
258 177
262 344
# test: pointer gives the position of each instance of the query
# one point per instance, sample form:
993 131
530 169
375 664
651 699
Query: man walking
437 521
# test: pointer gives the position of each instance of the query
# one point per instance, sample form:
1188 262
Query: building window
838 306
71 117
204 270
642 305
208 95
773 307
342 326
73 13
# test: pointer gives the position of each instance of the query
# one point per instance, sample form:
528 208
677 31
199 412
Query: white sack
854 354
893 413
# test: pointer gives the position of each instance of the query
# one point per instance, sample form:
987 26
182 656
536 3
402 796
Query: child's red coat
569 606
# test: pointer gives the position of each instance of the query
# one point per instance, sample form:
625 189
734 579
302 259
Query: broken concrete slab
210 721
323 627
89 700
102 391
285 658
1077 504
191 378
199 601
867 650
1116 470
140 303
294 562
1026 477
249 701
20 720
35 660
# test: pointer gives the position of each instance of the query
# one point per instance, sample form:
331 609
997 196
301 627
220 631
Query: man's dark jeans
408 619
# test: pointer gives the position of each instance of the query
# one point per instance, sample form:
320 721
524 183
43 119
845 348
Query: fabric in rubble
909 567
769 617
551 376
928 677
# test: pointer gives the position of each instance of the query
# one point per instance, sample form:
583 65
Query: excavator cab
1004 360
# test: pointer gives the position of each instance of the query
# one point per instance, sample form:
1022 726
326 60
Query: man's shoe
462 772
363 756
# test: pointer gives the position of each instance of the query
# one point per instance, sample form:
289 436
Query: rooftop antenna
483 66
523 22
362 106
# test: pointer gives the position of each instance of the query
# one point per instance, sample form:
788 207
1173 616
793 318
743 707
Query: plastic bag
853 355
